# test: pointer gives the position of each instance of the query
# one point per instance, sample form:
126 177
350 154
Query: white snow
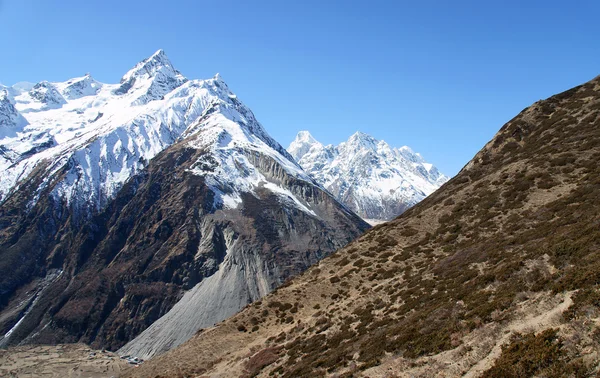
302 144
102 134
366 172
228 169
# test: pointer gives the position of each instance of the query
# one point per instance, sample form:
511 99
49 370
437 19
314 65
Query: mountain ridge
129 137
374 180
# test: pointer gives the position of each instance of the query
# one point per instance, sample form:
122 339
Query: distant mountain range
371 178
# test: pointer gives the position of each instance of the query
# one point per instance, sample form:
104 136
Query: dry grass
519 223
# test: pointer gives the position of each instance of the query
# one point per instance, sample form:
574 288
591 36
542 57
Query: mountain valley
156 218
494 275
148 200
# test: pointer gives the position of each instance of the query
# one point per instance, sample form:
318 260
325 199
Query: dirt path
528 324
478 350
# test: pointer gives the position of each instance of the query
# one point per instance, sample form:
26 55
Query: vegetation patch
541 355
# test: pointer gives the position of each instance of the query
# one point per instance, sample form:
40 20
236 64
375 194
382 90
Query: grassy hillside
495 275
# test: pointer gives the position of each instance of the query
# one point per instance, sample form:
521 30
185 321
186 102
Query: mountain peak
159 54
305 135
359 135
81 86
155 76
158 59
156 63
406 149
11 120
367 175
47 94
300 146
362 140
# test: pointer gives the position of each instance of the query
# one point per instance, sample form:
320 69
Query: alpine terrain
496 274
371 178
134 214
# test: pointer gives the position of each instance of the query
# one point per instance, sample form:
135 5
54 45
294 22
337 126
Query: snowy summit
374 180
95 136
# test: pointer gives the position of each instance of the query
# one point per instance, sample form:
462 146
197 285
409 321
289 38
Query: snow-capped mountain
374 180
157 197
11 121
101 134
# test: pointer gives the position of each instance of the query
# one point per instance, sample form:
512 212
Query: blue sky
439 76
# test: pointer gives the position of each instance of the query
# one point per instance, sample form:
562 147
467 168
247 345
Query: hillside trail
523 325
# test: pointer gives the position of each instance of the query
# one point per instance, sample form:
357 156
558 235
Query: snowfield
98 135
376 181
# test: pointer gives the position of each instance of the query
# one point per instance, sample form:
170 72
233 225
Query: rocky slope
367 175
159 197
494 275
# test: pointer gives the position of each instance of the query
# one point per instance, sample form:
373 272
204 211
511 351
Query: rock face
47 95
160 197
368 176
80 87
151 79
494 275
11 121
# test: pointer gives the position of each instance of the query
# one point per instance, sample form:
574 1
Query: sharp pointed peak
159 53
305 135
144 74
159 57
218 79
303 143
360 140
360 136
157 62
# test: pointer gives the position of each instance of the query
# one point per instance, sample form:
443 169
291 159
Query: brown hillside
496 275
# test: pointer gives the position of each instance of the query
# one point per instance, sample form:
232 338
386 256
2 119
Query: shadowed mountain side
107 281
118 201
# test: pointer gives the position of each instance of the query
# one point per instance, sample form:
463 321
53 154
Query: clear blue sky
439 76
